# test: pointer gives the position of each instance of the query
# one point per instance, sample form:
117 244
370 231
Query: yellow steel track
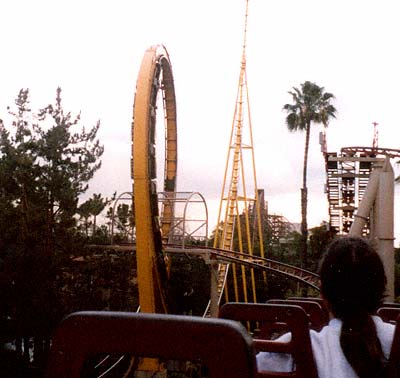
155 76
152 228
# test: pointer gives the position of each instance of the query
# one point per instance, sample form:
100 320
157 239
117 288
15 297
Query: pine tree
46 162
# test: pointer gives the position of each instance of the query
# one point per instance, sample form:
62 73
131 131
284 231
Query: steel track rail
227 256
257 262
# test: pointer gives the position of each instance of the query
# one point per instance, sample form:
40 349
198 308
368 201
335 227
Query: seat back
388 314
391 304
295 320
222 345
318 318
322 302
393 367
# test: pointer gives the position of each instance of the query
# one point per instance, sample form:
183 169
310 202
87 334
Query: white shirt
328 354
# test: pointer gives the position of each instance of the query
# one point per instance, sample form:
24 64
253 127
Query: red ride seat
317 316
322 302
295 320
388 314
393 368
223 346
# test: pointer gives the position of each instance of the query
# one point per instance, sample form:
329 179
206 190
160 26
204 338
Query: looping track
155 76
152 227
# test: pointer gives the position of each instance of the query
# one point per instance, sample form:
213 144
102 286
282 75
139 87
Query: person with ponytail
355 343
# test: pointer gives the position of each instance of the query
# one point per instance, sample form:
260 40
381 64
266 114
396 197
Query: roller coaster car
393 368
317 316
295 320
322 302
389 312
223 346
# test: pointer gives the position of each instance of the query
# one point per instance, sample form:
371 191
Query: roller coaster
155 224
356 205
155 212
152 225
346 188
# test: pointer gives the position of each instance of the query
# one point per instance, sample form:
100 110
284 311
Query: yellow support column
235 202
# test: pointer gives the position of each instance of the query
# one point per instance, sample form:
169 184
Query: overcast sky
93 51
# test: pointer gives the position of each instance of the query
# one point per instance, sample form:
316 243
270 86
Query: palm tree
310 104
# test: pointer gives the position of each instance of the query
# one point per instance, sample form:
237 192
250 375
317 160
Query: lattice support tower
347 176
280 228
234 211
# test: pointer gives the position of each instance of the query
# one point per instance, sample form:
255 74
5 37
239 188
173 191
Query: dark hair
353 281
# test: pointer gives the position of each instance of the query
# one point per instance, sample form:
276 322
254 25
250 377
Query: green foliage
46 161
100 279
310 104
189 285
124 222
288 251
319 239
92 208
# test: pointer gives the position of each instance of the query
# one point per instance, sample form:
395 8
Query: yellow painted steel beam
234 190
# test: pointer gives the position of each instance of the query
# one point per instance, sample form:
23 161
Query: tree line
47 270
50 260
